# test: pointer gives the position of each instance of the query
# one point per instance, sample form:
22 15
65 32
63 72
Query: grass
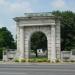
35 59
38 59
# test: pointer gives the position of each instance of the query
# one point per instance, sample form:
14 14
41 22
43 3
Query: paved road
37 69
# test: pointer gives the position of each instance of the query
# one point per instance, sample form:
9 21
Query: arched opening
38 45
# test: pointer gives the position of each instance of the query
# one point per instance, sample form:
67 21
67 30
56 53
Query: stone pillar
18 42
17 30
26 49
53 49
21 43
58 42
49 45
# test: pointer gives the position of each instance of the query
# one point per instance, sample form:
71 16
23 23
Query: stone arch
28 31
34 31
37 32
32 22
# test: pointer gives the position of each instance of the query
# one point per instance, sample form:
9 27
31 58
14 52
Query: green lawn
38 59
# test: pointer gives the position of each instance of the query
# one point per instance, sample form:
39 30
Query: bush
23 60
57 60
45 60
48 61
31 60
16 60
39 60
72 60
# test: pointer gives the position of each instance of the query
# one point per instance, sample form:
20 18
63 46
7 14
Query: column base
27 60
53 60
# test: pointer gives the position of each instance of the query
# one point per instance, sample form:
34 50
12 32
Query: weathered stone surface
48 25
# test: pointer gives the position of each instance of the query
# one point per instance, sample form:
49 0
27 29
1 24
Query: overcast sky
13 8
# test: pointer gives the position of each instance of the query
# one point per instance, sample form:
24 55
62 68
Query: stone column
49 50
18 42
26 49
58 42
21 43
17 30
53 50
49 45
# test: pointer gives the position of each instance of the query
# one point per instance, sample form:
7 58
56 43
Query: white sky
12 8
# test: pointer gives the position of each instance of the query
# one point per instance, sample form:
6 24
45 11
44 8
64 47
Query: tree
38 41
1 53
6 38
67 29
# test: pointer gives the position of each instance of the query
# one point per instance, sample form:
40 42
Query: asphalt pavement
37 69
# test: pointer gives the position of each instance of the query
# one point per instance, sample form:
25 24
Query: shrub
57 60
16 60
48 61
72 60
23 60
44 60
39 60
31 60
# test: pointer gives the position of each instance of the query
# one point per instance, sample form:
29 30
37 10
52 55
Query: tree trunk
36 53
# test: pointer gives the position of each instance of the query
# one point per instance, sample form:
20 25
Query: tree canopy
67 29
6 39
38 41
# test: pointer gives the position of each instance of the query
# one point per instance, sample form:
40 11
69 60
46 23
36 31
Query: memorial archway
33 22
